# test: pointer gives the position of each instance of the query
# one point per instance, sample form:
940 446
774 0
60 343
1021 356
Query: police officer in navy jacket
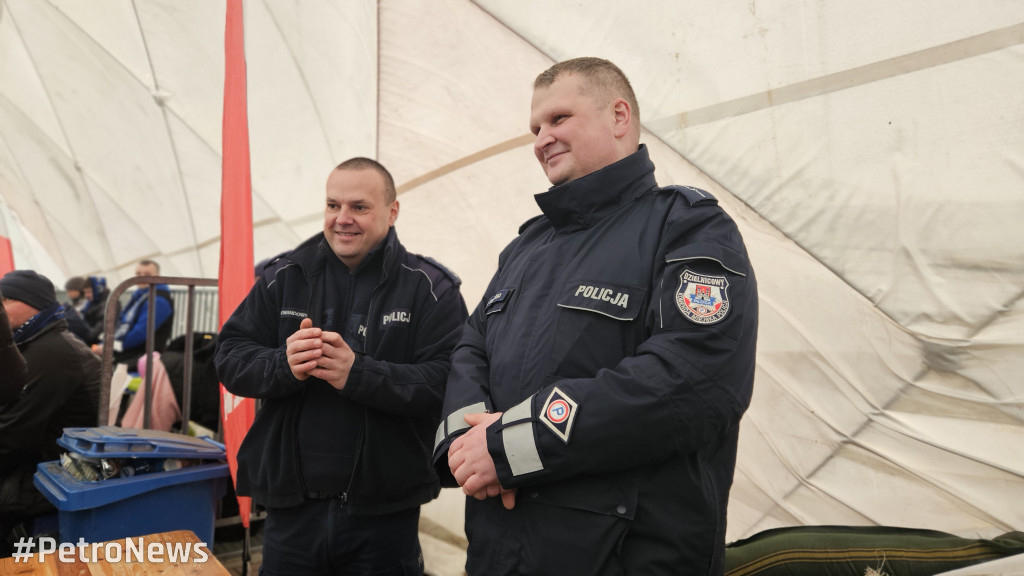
347 340
594 401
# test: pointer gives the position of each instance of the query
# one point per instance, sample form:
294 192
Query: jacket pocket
596 326
394 461
609 495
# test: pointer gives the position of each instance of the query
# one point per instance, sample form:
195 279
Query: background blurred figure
61 390
75 289
87 296
129 340
12 364
77 301
96 294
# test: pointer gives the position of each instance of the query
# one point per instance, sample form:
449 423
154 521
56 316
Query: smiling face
357 215
576 132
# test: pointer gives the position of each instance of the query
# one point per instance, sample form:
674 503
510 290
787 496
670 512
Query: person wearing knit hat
61 389
12 365
29 287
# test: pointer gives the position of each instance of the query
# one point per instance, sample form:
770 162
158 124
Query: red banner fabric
6 256
236 257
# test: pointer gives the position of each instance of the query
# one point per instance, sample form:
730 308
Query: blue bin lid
117 442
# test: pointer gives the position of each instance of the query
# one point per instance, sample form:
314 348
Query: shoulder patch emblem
558 413
702 299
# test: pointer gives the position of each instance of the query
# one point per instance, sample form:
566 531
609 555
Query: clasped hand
471 463
319 353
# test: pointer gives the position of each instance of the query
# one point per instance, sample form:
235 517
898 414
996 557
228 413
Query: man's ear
394 213
623 117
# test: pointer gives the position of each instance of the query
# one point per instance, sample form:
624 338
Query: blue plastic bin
183 499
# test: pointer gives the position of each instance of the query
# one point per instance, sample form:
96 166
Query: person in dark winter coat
347 339
95 308
73 308
12 364
61 390
593 407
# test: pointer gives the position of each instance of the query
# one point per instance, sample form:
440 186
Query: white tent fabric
871 152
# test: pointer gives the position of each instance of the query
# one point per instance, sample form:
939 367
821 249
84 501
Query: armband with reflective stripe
518 439
456 422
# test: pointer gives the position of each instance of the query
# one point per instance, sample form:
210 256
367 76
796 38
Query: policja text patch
558 413
616 301
701 298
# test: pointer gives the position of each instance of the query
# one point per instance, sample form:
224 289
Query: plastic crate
96 511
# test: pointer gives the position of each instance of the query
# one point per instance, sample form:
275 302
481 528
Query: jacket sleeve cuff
355 377
512 444
284 374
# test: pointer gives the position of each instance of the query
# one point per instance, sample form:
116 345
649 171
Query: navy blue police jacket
618 340
415 318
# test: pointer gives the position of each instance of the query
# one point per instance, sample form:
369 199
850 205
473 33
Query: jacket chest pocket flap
617 301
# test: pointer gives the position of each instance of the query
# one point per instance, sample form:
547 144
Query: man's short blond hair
362 163
600 78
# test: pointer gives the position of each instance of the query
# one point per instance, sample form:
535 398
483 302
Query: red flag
6 252
6 256
236 259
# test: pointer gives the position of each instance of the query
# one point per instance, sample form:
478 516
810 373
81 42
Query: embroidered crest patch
702 299
558 413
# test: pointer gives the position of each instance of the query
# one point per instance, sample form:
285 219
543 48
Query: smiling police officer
593 407
347 339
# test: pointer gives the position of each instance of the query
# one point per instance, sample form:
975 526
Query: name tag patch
558 413
701 298
612 300
497 301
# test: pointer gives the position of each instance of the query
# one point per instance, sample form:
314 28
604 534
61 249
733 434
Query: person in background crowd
73 308
12 364
130 334
75 289
593 407
347 339
94 307
61 390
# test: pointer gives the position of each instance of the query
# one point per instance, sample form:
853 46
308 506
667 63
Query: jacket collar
53 325
578 204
